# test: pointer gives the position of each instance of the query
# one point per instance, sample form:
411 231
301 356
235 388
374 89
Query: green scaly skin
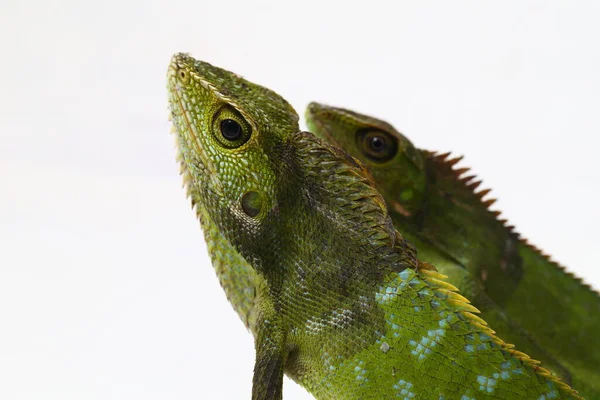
517 288
340 303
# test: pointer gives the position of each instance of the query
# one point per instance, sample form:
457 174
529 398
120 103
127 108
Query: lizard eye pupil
231 130
377 143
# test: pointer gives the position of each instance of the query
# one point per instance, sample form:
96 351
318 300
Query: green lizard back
435 205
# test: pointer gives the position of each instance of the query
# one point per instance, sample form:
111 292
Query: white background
106 291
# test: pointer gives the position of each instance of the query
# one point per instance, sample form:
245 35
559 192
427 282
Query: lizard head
224 127
395 164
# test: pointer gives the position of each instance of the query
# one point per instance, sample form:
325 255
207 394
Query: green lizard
337 300
437 209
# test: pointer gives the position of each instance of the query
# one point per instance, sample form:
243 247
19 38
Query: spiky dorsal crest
467 185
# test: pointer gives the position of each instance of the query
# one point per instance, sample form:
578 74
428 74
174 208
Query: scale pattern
340 302
526 297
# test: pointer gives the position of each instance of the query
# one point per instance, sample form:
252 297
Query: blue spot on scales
486 384
404 389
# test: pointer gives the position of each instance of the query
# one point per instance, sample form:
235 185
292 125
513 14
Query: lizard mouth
196 168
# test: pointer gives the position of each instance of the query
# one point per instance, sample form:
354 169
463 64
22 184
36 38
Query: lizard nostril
182 74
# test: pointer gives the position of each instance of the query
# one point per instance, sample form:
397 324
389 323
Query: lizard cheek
252 203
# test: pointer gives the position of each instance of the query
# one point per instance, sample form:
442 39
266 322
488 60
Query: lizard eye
377 145
229 128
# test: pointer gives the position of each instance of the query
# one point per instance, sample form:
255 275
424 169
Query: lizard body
337 299
436 207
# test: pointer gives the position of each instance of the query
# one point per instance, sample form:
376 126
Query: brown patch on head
396 206
512 263
484 275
